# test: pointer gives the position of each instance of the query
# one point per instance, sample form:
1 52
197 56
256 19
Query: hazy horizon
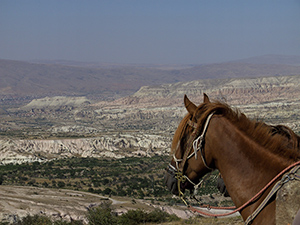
148 32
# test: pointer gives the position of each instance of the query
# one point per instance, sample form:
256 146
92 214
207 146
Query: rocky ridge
273 99
140 124
114 146
57 101
234 91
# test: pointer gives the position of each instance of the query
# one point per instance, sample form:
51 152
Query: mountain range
98 81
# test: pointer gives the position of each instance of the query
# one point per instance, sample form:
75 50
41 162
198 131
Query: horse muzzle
171 181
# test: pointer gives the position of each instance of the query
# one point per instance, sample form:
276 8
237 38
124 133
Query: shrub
132 217
35 220
135 217
158 216
102 215
61 184
73 222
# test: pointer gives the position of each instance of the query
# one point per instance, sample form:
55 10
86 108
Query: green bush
102 215
74 222
158 216
133 217
35 220
61 184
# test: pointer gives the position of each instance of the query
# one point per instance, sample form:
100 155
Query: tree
53 183
61 184
107 191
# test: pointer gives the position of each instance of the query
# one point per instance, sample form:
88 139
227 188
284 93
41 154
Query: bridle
196 143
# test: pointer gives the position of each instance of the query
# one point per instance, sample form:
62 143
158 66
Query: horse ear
191 107
206 98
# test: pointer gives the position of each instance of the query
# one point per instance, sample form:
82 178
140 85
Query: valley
102 136
66 188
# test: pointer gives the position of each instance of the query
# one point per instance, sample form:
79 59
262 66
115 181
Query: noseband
197 144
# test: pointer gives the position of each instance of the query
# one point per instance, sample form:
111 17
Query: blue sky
148 31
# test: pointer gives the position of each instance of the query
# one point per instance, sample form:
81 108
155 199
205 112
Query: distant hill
30 79
238 91
273 59
238 70
34 80
264 59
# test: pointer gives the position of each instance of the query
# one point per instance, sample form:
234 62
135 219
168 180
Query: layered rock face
115 146
234 91
273 99
58 101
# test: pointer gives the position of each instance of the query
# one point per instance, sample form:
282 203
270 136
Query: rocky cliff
273 99
234 91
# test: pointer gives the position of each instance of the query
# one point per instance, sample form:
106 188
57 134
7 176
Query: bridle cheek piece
197 144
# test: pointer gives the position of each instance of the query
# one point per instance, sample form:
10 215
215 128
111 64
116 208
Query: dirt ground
19 201
57 203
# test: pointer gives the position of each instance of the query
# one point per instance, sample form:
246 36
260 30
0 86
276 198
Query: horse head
189 160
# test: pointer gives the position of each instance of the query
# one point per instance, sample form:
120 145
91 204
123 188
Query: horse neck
246 167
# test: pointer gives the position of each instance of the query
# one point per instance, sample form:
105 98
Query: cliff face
275 100
234 91
115 146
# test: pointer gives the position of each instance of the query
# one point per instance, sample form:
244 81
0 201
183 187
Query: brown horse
246 152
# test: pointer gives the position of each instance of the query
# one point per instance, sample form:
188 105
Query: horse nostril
171 183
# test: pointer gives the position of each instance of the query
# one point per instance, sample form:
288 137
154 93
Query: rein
292 175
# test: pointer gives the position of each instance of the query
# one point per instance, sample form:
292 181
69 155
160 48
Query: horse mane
293 140
258 131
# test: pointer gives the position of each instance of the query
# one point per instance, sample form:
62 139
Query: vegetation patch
141 178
